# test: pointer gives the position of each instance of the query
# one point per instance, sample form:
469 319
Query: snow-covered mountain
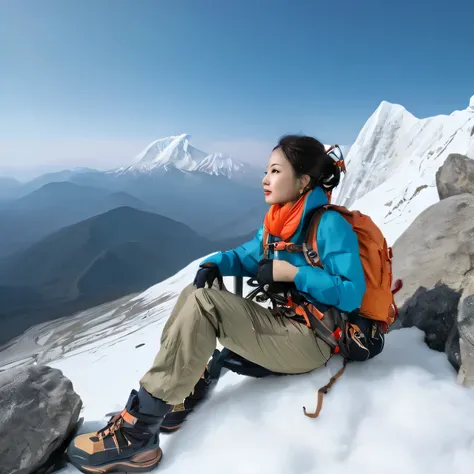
177 152
391 167
402 410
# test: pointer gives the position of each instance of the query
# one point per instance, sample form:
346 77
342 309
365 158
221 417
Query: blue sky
92 82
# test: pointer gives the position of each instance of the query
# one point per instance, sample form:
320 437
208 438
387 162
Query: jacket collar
316 198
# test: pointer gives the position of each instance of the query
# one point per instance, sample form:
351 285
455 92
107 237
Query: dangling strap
323 390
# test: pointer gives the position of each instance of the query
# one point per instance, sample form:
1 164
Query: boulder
437 248
38 411
466 334
456 176
435 312
435 259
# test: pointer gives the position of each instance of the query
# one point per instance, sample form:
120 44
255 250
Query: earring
301 191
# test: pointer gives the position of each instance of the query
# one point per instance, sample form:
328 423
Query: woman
299 176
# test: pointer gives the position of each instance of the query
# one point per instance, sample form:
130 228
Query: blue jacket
341 283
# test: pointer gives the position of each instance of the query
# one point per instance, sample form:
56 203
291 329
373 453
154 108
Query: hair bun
330 177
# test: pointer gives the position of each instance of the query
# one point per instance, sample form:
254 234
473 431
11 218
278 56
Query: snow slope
177 152
392 165
401 412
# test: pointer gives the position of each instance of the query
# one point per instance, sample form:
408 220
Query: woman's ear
304 180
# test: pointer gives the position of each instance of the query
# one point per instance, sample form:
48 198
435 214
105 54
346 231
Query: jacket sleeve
341 283
241 261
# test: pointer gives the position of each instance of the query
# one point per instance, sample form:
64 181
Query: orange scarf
282 221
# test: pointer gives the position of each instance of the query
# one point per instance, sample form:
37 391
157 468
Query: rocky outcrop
438 247
38 411
435 259
456 176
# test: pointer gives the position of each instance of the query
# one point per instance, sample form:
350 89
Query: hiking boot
129 442
176 417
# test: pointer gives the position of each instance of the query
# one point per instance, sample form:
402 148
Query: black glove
207 274
265 271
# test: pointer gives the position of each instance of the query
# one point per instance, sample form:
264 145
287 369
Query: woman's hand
284 271
270 270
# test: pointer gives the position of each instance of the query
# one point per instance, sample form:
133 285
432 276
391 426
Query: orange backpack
378 301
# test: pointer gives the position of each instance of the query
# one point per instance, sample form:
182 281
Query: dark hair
308 156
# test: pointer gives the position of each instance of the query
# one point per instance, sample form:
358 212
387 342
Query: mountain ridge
392 165
176 151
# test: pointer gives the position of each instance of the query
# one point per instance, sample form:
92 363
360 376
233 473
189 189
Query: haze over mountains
53 206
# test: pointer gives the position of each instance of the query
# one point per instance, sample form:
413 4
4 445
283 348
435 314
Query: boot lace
115 424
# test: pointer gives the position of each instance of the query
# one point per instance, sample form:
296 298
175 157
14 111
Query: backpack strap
310 244
265 242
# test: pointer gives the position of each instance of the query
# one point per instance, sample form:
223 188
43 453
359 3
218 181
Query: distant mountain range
121 251
76 238
53 206
170 177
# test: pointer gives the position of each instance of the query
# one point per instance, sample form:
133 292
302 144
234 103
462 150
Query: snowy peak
220 164
471 103
170 151
392 165
177 152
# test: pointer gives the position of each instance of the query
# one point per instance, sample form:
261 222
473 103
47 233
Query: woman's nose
265 180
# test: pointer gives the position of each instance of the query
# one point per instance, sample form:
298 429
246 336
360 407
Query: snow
219 164
177 152
391 168
44 339
400 412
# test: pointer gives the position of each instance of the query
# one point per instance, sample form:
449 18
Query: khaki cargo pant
203 315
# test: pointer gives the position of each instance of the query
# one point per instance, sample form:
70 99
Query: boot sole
175 420
141 464
170 429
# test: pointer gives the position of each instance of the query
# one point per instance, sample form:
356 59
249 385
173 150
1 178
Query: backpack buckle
311 254
288 246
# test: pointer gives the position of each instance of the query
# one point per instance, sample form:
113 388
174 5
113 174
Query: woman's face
280 184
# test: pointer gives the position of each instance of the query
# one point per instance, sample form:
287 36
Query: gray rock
456 176
466 319
453 348
438 247
435 259
466 334
38 410
435 312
